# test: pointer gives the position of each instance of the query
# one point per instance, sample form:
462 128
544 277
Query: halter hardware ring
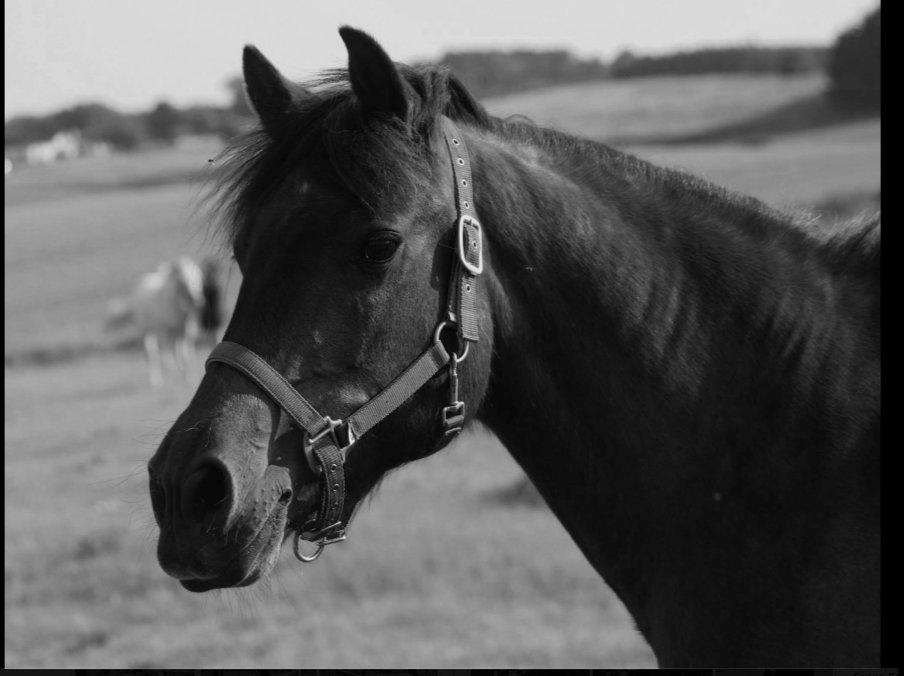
306 558
454 354
319 538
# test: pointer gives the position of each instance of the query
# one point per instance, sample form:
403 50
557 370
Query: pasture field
434 571
437 572
657 107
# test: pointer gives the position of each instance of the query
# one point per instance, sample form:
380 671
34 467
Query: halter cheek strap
326 440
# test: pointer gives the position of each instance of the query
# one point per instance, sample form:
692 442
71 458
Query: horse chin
266 544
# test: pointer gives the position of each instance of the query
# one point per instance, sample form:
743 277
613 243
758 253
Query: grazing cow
166 310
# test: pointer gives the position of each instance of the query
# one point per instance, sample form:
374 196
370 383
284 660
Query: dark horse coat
689 377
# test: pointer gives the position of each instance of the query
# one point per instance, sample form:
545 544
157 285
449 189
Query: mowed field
438 572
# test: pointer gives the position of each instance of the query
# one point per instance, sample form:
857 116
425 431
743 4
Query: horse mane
856 245
383 160
848 246
369 159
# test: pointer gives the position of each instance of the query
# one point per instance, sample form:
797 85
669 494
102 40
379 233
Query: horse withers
689 377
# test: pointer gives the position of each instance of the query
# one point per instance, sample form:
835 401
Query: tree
163 122
854 64
122 132
83 117
22 130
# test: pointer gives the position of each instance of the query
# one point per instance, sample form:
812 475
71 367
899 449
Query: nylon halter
327 440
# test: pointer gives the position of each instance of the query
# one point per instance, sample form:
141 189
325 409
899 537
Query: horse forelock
376 161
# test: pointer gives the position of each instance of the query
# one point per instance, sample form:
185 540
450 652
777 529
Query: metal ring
301 556
454 355
439 329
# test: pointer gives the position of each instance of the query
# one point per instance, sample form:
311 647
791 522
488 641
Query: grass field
436 573
657 107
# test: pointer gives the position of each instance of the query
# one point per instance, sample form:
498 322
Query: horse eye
380 248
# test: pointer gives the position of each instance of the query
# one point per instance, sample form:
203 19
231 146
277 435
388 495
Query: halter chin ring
317 538
301 556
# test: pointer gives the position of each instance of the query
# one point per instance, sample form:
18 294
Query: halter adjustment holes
380 247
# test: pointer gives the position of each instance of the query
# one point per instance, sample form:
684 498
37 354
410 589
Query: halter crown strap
468 236
326 440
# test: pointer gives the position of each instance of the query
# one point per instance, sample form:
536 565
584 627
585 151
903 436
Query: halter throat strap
326 440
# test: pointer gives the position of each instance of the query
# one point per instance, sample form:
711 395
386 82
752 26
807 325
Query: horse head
344 218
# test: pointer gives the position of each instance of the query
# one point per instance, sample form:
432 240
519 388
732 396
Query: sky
131 54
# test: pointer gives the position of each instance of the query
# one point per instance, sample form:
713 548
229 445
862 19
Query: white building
65 145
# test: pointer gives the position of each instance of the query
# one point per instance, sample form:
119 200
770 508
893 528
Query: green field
436 573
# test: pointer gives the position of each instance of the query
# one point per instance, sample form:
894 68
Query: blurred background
112 113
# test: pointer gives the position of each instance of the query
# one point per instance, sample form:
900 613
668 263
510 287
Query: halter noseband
326 440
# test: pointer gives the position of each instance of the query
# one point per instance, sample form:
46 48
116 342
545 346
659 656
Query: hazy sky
132 53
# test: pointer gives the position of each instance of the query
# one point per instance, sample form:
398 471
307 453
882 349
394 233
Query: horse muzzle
223 518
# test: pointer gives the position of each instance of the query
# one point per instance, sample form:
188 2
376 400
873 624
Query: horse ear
375 80
271 95
463 103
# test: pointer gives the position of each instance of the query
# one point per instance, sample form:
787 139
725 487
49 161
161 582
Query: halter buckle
453 418
476 242
342 434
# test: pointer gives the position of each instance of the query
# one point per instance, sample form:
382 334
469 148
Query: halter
327 440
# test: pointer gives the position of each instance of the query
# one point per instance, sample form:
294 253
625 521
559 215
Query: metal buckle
454 413
453 418
474 269
332 426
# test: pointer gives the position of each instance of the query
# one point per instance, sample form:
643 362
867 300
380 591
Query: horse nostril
205 491
285 497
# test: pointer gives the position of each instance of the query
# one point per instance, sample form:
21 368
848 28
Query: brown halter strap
326 440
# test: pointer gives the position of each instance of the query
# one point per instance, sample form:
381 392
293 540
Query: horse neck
642 324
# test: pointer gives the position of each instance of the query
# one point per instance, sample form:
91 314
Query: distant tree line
852 64
490 73
163 124
782 60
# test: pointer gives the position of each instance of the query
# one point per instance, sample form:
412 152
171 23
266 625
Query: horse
212 315
166 309
689 377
